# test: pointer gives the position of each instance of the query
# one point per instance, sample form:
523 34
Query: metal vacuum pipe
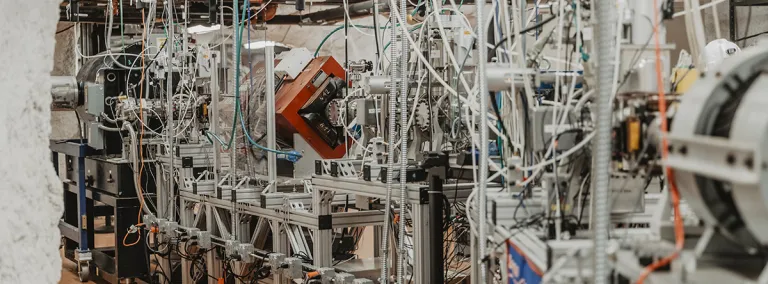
605 37
483 174
66 92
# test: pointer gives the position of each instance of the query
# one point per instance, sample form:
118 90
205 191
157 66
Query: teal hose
292 155
317 51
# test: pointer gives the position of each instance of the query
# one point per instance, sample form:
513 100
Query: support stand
436 164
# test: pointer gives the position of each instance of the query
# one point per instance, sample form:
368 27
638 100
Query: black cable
79 127
456 186
499 117
376 38
156 54
754 35
679 80
194 265
528 29
73 25
746 28
146 255
635 58
162 271
303 256
228 268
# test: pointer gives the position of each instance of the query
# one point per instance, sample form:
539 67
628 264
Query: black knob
369 66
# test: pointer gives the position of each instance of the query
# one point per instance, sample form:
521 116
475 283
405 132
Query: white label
587 33
159 41
550 128
434 53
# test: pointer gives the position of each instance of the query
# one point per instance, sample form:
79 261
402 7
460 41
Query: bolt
683 150
731 159
749 163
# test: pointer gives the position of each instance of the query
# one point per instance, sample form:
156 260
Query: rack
732 24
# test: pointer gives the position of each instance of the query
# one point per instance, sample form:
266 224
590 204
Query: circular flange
723 105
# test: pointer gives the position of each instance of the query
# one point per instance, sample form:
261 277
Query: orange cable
674 193
312 274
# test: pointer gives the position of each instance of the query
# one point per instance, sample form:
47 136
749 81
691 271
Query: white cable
109 36
712 4
346 14
133 138
437 76
619 25
537 167
449 52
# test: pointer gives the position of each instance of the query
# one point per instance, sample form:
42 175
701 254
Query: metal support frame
323 237
82 235
116 262
269 63
422 250
279 245
212 263
733 25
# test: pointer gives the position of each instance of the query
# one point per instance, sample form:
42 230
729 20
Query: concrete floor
69 272
69 268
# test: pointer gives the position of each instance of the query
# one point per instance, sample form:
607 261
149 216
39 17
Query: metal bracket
715 157
83 255
325 222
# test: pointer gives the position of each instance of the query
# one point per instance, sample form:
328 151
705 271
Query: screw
683 150
731 159
749 163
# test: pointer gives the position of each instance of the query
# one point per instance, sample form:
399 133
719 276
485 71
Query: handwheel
84 272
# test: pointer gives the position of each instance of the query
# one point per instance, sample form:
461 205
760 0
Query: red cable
674 193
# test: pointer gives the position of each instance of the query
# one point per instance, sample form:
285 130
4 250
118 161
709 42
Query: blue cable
292 156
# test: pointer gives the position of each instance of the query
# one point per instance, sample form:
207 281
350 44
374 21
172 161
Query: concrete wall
757 23
32 195
64 122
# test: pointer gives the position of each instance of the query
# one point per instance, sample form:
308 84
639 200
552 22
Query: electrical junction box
95 136
366 112
293 62
205 59
94 96
543 129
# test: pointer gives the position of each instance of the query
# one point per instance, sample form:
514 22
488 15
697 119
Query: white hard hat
718 50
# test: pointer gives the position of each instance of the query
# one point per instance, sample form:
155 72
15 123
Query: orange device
300 106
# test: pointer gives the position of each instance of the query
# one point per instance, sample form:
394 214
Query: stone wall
32 195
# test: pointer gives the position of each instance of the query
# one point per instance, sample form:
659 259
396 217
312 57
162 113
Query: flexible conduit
483 173
403 72
391 156
606 38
